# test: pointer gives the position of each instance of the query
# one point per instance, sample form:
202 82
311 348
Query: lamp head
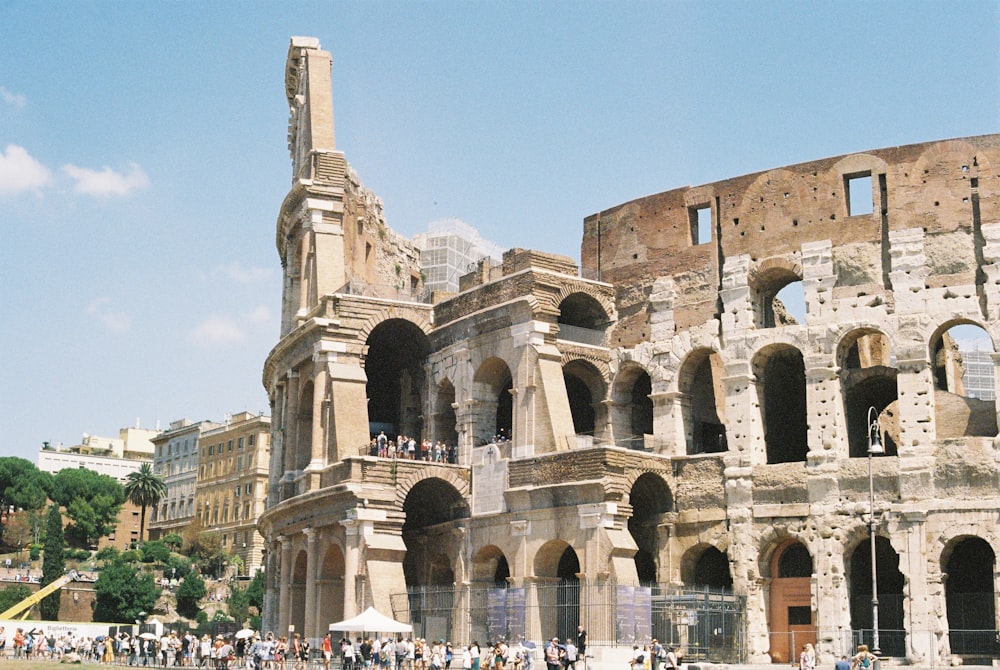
875 447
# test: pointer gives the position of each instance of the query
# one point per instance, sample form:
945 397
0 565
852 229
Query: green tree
190 591
12 595
245 603
54 563
122 593
155 551
22 484
92 502
174 541
144 488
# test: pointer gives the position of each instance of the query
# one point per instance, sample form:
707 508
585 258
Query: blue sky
143 153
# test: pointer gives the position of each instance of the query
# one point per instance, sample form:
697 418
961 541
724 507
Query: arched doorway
491 389
330 588
892 636
394 365
703 402
632 407
781 387
792 622
585 391
650 499
297 589
970 598
559 600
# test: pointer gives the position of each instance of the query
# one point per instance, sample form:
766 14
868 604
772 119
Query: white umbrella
246 632
147 636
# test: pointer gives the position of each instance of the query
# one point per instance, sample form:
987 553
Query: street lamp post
875 448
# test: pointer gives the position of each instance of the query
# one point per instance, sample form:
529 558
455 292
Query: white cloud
106 182
116 322
216 329
20 172
236 272
260 315
17 100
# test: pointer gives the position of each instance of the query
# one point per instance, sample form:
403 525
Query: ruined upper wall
947 188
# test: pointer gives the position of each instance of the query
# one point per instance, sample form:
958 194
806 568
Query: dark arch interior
784 382
430 502
712 570
650 497
582 311
878 391
890 594
394 367
970 598
795 561
580 404
642 405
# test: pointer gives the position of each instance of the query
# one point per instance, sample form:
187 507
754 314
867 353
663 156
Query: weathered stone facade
668 420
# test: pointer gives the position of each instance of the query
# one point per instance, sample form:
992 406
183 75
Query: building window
250 440
250 489
229 445
700 217
211 450
239 443
858 188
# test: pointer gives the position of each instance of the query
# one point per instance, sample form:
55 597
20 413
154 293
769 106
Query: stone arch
891 584
330 583
558 563
705 565
445 419
585 389
650 498
298 584
781 391
702 398
417 317
492 384
489 565
448 476
766 279
303 425
603 300
868 380
969 562
395 354
958 411
790 568
631 406
429 506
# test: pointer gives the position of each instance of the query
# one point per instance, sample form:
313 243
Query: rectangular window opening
858 188
700 217
800 616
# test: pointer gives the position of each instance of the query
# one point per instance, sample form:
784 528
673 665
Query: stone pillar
818 280
665 422
915 384
285 591
272 575
352 551
918 615
310 629
320 408
744 429
291 423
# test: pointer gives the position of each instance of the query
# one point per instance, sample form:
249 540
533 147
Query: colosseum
649 443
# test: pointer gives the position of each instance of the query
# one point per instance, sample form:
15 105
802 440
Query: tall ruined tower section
310 231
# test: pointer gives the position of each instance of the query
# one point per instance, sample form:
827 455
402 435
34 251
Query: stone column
320 405
291 423
352 554
284 586
269 617
917 427
312 560
744 429
665 422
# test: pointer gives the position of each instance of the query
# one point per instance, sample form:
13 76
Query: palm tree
144 488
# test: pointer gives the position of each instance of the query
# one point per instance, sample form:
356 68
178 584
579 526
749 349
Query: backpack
865 661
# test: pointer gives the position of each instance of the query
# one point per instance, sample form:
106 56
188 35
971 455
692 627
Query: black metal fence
705 624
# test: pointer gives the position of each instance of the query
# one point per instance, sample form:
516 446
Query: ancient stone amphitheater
686 458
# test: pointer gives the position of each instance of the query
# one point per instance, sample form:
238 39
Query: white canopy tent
372 621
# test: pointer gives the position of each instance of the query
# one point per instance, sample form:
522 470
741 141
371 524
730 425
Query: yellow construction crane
23 608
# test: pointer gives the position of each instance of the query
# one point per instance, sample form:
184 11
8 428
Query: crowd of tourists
407 447
421 654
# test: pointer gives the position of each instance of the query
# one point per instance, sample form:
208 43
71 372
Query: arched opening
790 600
781 387
970 598
965 381
892 636
394 365
441 573
585 390
582 319
712 570
298 588
489 566
778 297
429 507
330 586
632 407
492 386
490 573
650 498
868 380
303 427
559 603
703 402
445 421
